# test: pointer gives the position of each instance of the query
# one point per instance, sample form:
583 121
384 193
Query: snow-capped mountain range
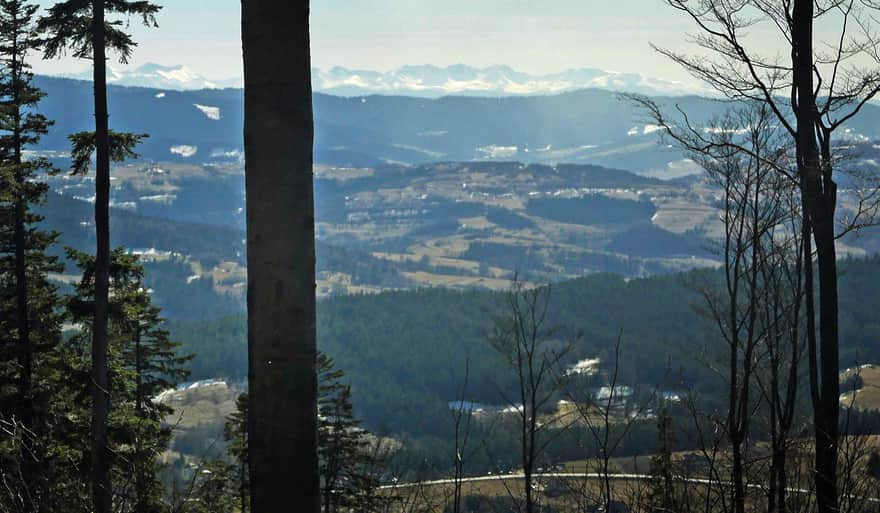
423 80
157 76
433 81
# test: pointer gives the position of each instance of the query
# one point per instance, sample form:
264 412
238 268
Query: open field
867 397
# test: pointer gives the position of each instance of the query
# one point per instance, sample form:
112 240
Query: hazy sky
530 35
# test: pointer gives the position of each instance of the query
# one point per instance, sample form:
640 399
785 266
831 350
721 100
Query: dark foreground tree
88 28
28 301
278 137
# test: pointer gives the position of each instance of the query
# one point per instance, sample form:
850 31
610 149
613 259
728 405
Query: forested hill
405 351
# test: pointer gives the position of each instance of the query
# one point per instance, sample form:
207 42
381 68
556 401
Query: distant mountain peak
159 76
427 80
424 80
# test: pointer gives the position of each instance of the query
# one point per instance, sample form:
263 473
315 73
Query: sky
536 36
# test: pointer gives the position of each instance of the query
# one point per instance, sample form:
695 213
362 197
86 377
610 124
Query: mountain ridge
422 80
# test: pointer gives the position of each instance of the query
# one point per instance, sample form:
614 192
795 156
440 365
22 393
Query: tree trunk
819 194
141 477
22 317
826 428
102 491
279 134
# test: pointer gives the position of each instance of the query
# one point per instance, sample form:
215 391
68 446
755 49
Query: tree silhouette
278 137
84 28
28 299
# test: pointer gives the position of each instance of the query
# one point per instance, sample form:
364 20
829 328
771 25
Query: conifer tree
143 362
211 492
346 464
29 305
88 28
235 432
662 472
344 455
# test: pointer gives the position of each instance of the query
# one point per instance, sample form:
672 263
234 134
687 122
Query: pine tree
662 473
143 362
346 465
29 304
211 492
235 432
152 358
345 462
83 27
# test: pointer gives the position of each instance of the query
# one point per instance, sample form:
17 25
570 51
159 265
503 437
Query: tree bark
279 134
102 491
819 196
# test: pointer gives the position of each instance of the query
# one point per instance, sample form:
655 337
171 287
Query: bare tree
279 136
609 417
522 337
811 93
750 212
781 317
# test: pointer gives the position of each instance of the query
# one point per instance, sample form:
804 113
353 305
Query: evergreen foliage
662 493
30 318
144 362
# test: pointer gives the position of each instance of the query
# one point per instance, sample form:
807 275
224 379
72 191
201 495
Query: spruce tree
662 473
235 432
29 304
346 465
344 456
143 362
88 28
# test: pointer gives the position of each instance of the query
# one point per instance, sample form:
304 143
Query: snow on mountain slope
420 80
459 79
157 76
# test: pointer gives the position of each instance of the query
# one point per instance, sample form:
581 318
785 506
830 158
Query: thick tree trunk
279 133
102 491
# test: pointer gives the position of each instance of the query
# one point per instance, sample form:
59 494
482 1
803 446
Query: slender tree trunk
25 352
279 133
22 316
243 496
102 490
826 429
141 477
782 480
819 197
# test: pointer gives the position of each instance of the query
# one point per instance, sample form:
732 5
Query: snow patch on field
212 113
166 199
